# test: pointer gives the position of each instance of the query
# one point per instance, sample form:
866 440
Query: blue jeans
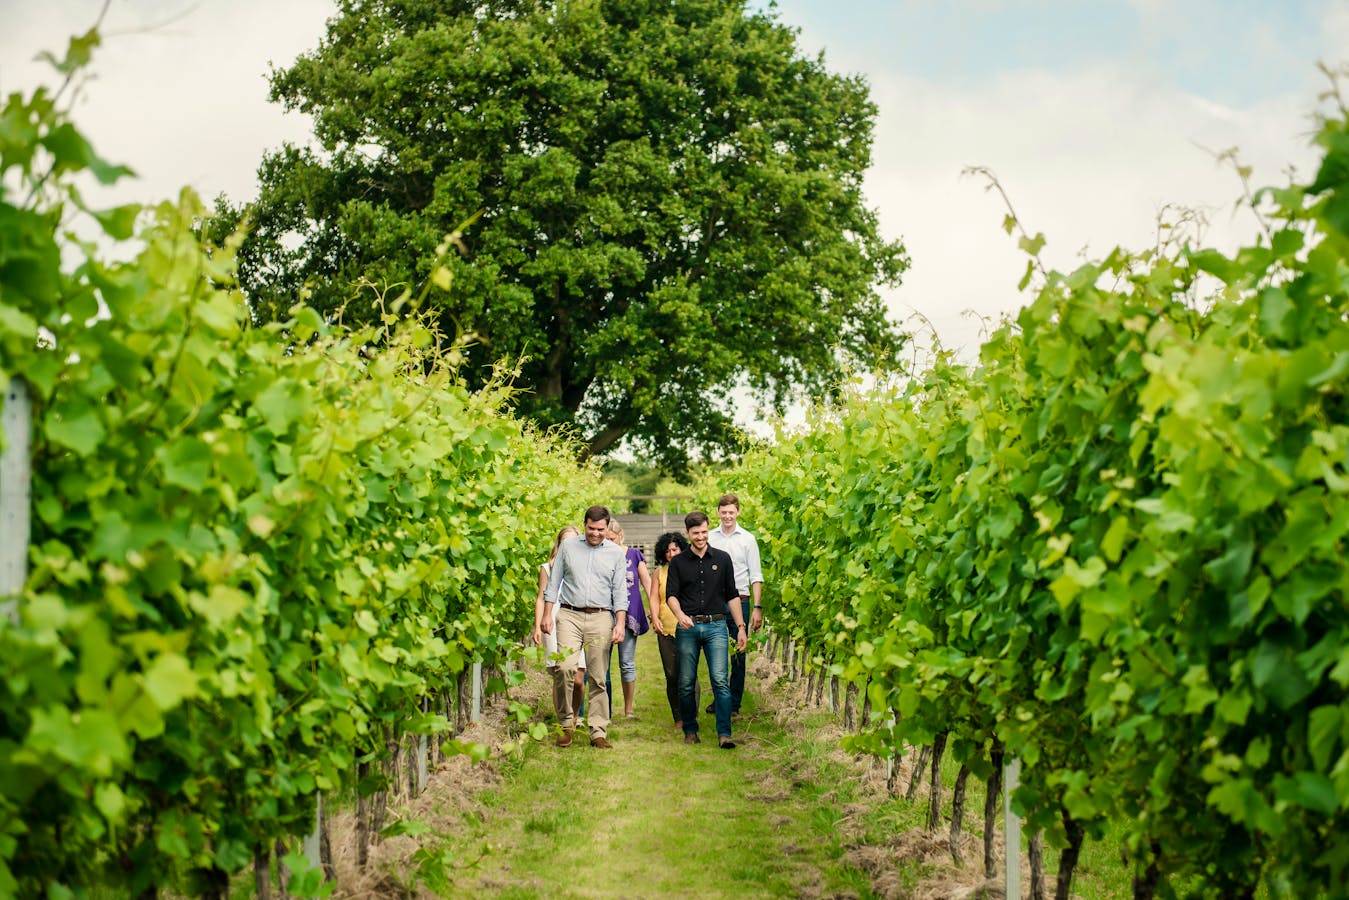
738 658
627 665
710 638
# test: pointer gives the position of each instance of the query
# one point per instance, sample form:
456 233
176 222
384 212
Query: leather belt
586 609
698 620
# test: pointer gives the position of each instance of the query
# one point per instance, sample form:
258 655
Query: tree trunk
866 704
262 872
379 808
362 818
446 710
1148 877
412 763
1068 858
958 815
991 812
282 871
810 687
326 844
916 773
465 701
217 884
849 706
607 437
934 794
1036 852
892 783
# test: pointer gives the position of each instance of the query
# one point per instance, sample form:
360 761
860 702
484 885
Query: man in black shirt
700 589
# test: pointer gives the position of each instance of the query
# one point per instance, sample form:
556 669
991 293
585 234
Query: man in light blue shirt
589 580
744 553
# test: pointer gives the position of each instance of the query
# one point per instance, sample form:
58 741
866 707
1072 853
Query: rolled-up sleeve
730 593
755 568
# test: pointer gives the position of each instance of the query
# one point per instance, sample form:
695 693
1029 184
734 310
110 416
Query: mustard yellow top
668 622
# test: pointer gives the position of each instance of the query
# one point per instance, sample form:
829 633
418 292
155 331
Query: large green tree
670 195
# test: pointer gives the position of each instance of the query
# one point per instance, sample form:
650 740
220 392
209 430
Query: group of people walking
705 597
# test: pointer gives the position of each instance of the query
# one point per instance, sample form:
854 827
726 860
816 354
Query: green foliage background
256 551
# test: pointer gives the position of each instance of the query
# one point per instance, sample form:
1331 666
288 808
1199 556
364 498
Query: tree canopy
670 200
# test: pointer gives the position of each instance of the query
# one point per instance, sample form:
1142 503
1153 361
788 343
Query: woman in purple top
639 583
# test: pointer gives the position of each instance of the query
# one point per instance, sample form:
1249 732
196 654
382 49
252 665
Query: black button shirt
702 585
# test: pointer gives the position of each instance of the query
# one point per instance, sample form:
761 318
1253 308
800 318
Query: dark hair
598 514
694 519
728 500
663 545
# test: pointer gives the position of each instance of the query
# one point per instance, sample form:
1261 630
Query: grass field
788 813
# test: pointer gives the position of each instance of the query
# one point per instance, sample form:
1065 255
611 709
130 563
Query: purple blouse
637 622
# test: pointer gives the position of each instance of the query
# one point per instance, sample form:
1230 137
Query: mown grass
786 814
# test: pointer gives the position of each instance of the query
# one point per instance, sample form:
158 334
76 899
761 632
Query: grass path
654 817
785 814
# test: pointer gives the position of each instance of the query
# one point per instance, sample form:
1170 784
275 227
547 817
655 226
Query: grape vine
255 550
1114 548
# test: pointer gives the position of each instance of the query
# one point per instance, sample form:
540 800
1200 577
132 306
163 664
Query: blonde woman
548 639
639 583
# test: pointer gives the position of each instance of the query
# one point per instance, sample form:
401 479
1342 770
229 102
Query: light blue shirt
744 553
587 576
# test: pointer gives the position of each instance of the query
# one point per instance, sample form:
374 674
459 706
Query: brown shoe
691 737
725 742
564 739
600 743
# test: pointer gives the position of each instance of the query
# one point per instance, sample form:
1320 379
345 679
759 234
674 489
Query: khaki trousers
592 632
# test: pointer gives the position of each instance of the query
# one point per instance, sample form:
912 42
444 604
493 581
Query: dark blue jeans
737 658
710 638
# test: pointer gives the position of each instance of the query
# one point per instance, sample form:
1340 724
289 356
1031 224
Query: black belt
698 620
586 608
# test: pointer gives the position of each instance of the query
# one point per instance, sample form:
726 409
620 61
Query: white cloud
1089 160
179 90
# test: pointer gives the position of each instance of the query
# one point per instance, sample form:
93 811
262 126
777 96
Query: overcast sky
1093 113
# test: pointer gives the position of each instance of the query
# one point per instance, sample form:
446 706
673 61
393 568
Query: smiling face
698 538
596 531
672 551
728 514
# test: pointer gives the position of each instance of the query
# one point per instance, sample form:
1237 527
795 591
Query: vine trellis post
476 713
15 494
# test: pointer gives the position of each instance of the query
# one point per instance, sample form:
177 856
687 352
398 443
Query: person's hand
685 621
547 624
538 636
618 634
755 619
741 640
655 624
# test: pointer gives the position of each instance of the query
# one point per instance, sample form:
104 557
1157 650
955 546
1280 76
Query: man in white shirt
744 553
